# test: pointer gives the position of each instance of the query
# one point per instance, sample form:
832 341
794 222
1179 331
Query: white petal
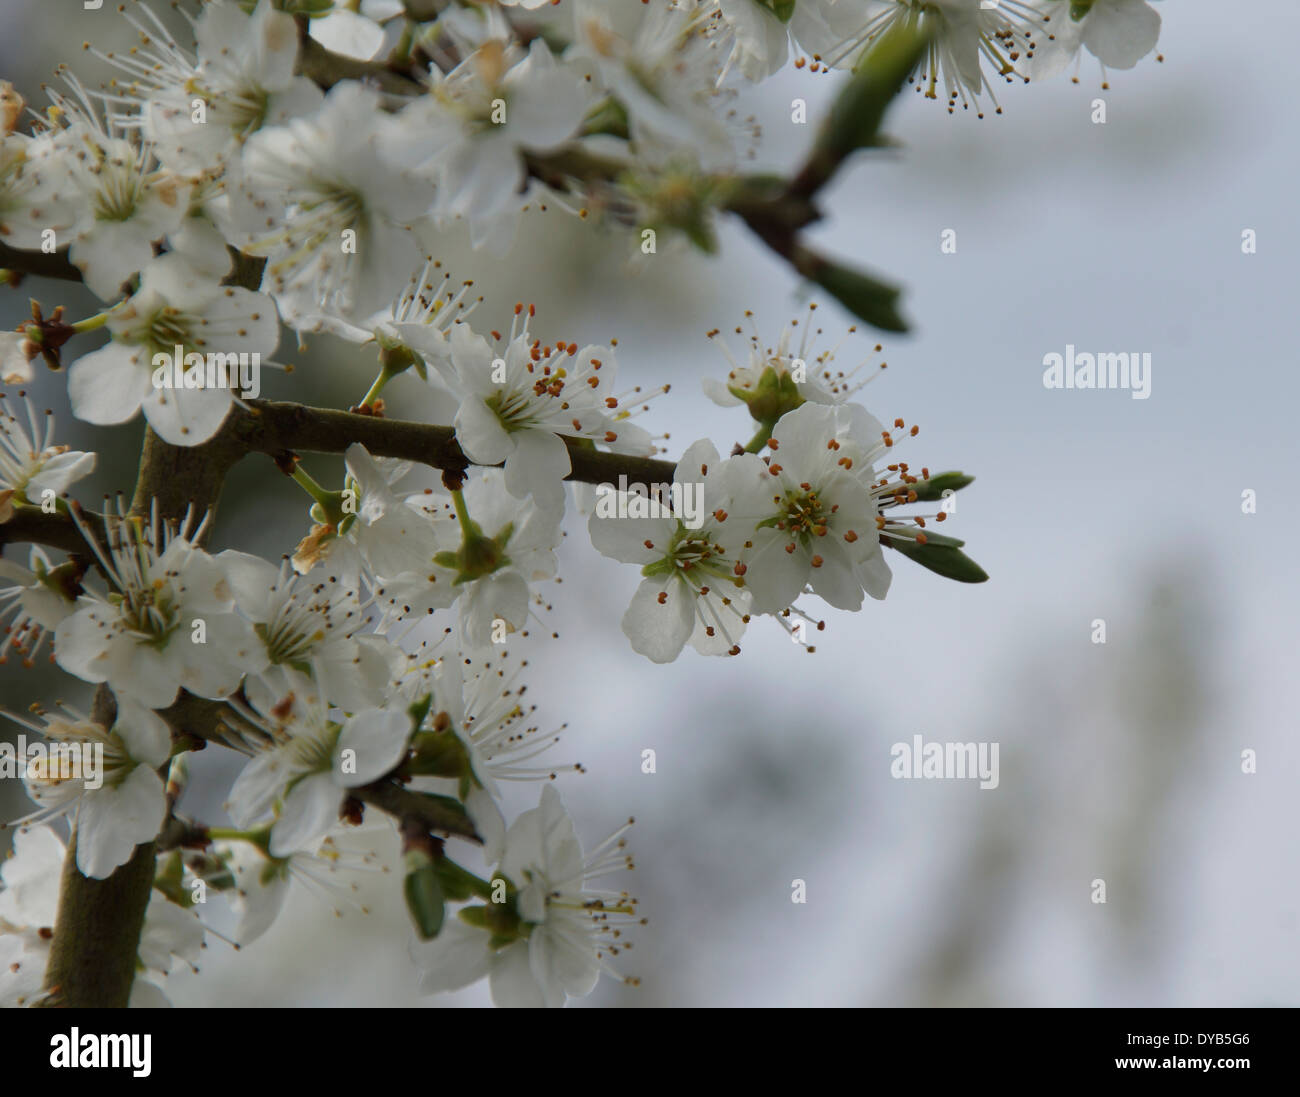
659 629
457 957
1119 33
186 417
112 821
144 733
537 467
511 979
561 965
107 386
481 435
309 811
348 33
377 739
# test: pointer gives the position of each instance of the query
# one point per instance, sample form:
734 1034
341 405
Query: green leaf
931 490
869 299
945 560
423 892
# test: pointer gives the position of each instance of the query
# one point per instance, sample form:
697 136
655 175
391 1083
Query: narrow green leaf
945 560
872 301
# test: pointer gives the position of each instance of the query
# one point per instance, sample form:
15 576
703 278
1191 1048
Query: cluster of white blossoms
296 164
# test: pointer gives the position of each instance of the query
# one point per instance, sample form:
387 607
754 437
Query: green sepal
931 490
436 754
423 893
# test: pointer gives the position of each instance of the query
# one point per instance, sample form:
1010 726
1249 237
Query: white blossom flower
775 379
756 37
516 404
170 932
39 599
127 201
967 35
513 546
474 734
317 197
415 324
1119 33
558 935
36 190
175 306
379 533
166 623
31 464
303 778
478 121
106 777
262 881
198 110
693 589
309 630
200 238
29 905
807 513
658 61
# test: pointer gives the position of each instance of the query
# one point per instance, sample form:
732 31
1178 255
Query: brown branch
274 427
39 263
98 926
327 69
403 805
182 477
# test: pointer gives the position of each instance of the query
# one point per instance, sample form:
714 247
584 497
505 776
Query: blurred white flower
319 199
29 903
30 462
36 191
1119 33
126 200
479 120
967 36
658 61
39 598
554 939
197 110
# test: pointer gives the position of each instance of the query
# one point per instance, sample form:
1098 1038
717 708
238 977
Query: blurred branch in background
1097 760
